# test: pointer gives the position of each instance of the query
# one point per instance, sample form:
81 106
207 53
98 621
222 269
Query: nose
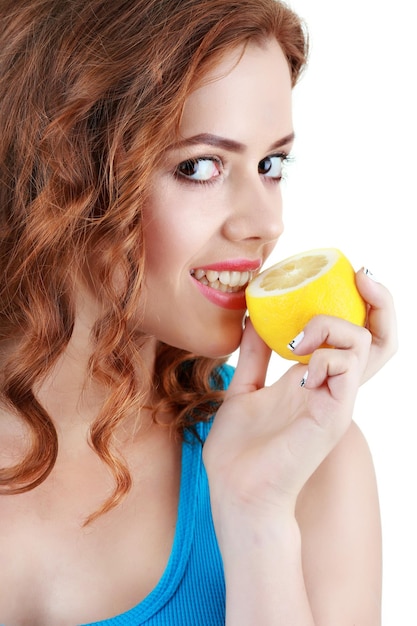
255 212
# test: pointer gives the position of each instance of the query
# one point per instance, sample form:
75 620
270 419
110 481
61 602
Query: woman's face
214 214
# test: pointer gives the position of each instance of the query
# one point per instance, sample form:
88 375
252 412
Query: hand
381 323
266 442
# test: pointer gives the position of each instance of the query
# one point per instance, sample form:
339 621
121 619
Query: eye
272 166
200 170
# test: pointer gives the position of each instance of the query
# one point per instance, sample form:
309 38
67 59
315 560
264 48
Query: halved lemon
281 300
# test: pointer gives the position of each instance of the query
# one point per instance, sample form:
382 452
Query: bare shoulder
349 466
339 519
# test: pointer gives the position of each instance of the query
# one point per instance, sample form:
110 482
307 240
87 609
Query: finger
381 314
339 370
252 363
340 367
326 330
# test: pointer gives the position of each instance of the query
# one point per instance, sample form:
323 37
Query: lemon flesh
281 300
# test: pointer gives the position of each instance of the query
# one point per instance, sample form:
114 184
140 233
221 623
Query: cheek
178 224
163 245
173 234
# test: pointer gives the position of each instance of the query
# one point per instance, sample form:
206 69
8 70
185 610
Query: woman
143 145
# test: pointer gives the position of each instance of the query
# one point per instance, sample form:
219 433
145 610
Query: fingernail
369 274
296 341
245 317
304 379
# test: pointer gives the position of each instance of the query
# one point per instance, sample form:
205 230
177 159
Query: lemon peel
282 299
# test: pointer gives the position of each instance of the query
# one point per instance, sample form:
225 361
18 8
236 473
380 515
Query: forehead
251 84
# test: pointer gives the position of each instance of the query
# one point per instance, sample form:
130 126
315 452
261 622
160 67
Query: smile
224 281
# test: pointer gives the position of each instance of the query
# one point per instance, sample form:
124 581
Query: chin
219 341
222 347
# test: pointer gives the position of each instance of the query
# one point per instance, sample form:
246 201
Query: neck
68 393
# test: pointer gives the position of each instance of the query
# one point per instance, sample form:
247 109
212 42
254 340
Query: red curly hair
91 94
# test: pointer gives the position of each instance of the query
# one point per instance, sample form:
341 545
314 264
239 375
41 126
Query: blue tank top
191 591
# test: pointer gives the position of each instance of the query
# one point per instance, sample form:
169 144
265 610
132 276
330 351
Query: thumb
252 363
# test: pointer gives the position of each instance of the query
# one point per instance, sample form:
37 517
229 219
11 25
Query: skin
285 491
235 215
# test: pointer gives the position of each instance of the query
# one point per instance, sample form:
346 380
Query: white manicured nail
296 341
245 317
369 274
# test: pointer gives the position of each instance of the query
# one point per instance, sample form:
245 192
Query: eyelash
184 178
285 159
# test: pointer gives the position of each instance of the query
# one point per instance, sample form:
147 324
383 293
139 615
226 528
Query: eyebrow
227 144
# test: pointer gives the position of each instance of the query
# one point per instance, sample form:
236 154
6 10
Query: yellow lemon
282 299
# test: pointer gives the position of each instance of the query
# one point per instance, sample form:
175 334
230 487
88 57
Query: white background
353 186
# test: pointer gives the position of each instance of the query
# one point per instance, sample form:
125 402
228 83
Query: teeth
212 276
224 278
223 281
234 279
199 274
